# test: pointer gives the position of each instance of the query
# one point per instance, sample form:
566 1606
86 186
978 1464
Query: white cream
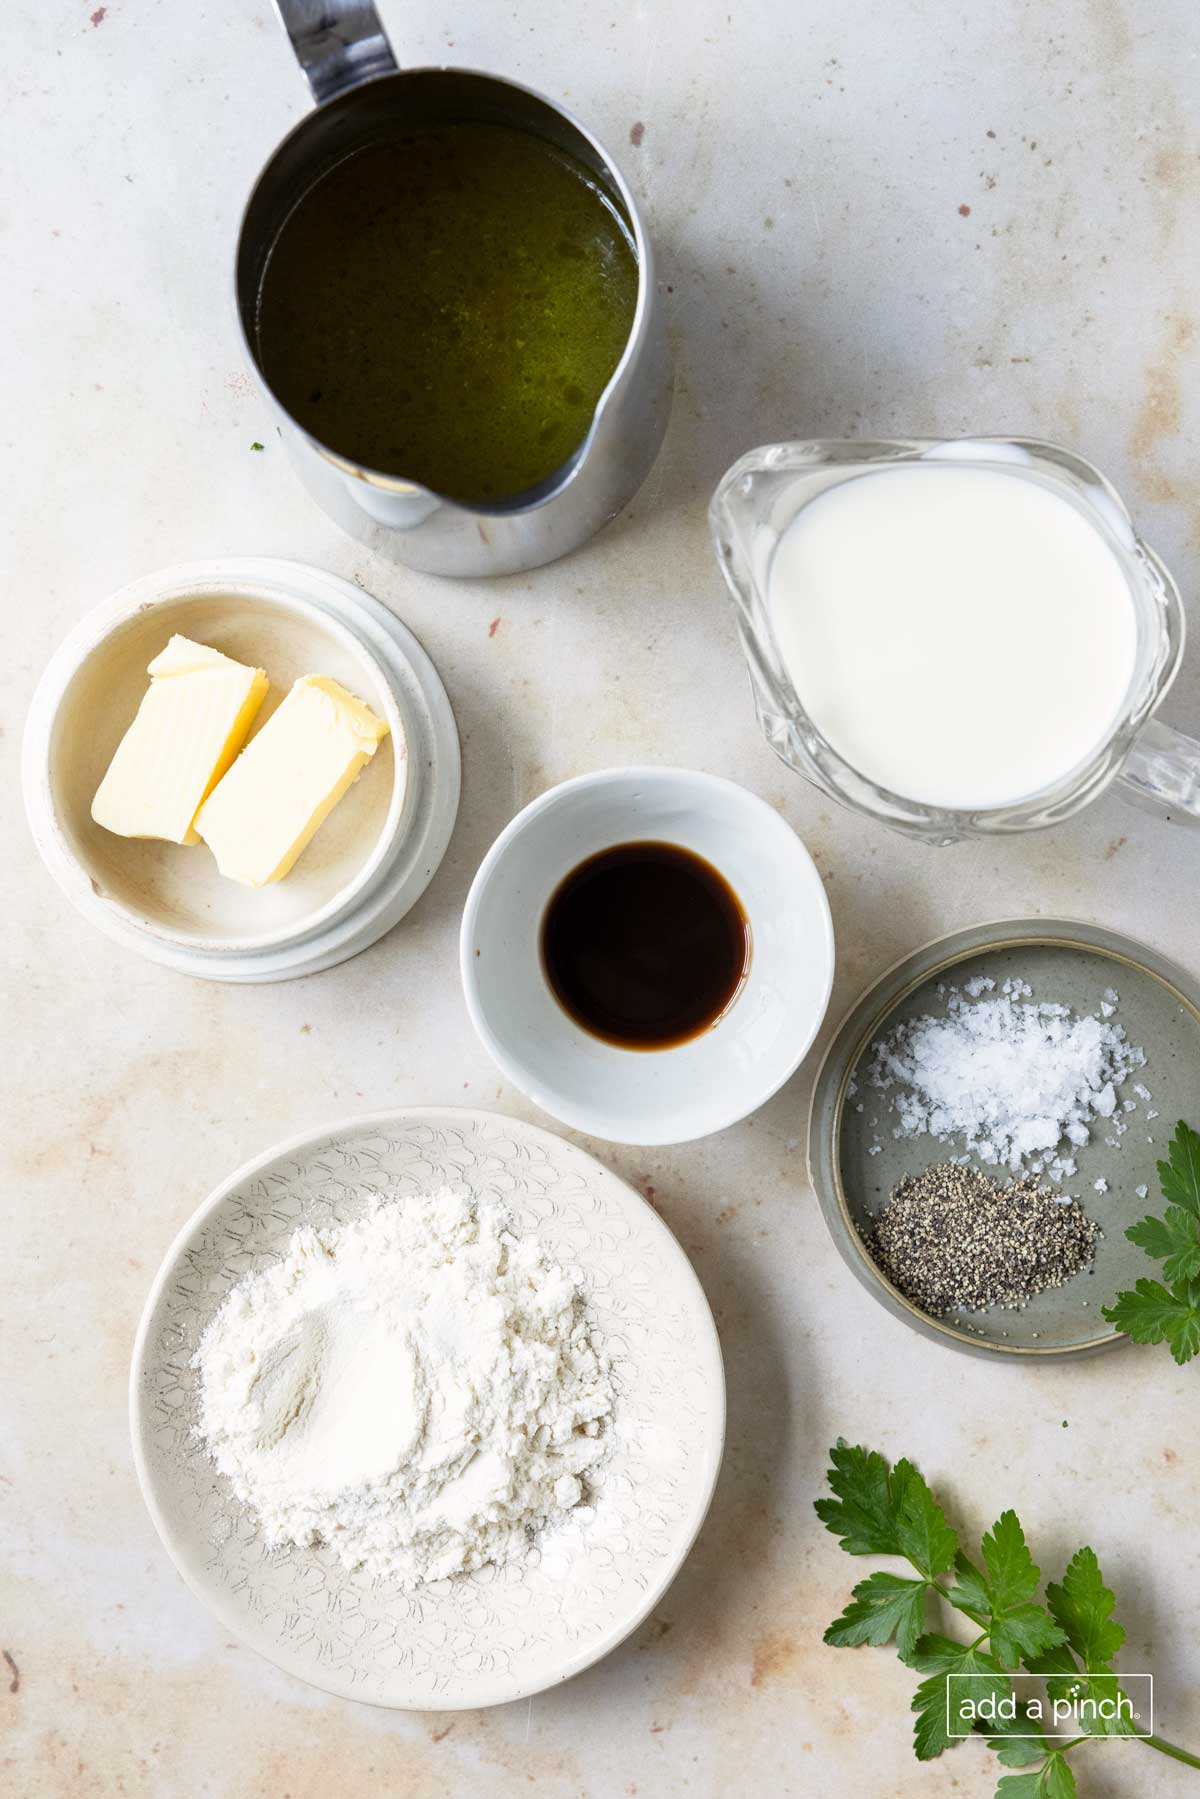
962 636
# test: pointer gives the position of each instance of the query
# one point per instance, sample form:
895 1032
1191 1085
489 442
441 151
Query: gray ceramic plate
1062 961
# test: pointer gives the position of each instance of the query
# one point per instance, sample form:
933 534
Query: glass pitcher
760 496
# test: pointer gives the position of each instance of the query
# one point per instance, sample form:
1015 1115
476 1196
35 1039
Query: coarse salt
1013 1078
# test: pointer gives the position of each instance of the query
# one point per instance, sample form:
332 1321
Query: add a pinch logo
1041 1707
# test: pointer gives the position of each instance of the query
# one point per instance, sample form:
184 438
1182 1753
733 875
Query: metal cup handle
338 43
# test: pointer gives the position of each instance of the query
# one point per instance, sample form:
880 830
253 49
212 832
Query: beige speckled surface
913 217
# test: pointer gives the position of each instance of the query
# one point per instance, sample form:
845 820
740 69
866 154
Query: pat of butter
191 723
287 781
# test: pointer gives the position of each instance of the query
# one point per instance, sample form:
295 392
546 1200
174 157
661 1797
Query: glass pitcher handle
1162 773
338 43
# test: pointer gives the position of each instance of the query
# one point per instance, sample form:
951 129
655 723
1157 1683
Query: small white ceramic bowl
171 902
648 1096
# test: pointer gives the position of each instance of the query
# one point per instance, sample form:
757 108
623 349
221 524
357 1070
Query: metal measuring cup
361 93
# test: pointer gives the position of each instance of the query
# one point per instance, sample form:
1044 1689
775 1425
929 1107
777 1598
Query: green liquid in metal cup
448 305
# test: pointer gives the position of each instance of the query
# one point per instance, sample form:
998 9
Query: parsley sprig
1071 1640
1152 1312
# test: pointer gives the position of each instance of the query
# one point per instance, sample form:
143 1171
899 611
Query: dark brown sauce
645 945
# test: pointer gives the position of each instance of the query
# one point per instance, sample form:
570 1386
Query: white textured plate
498 1634
365 867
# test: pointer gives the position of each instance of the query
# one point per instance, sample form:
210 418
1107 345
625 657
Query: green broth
448 305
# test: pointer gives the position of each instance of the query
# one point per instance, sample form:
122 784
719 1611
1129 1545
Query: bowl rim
390 1115
259 581
595 1120
865 1016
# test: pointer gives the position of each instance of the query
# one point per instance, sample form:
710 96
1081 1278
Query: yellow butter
287 781
191 723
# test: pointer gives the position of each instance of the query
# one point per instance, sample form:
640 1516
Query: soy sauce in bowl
645 945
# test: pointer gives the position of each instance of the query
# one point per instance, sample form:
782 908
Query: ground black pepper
951 1239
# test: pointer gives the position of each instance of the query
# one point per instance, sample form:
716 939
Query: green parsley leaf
921 1528
1064 1681
862 1515
936 1654
1173 1240
1105 1689
1185 1343
885 1512
1180 1176
1058 1782
1149 1314
1083 1605
1183 1263
256 445
1017 1741
1052 1781
1003 1599
1058 1660
970 1590
1021 1631
1020 1786
1012 1574
882 1604
1146 1313
944 1714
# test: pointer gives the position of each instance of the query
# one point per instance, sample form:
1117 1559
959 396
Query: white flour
418 1389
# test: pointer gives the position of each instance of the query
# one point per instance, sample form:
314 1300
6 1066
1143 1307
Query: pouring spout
338 43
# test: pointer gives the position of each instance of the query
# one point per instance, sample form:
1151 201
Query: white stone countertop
876 217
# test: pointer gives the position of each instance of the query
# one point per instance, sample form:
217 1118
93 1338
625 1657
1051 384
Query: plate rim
585 1658
865 1016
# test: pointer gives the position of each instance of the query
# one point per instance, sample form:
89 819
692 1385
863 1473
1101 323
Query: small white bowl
648 1096
170 902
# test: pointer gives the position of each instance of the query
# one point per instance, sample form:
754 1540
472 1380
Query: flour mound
419 1390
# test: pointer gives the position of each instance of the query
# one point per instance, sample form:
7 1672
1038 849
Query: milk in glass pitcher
957 638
